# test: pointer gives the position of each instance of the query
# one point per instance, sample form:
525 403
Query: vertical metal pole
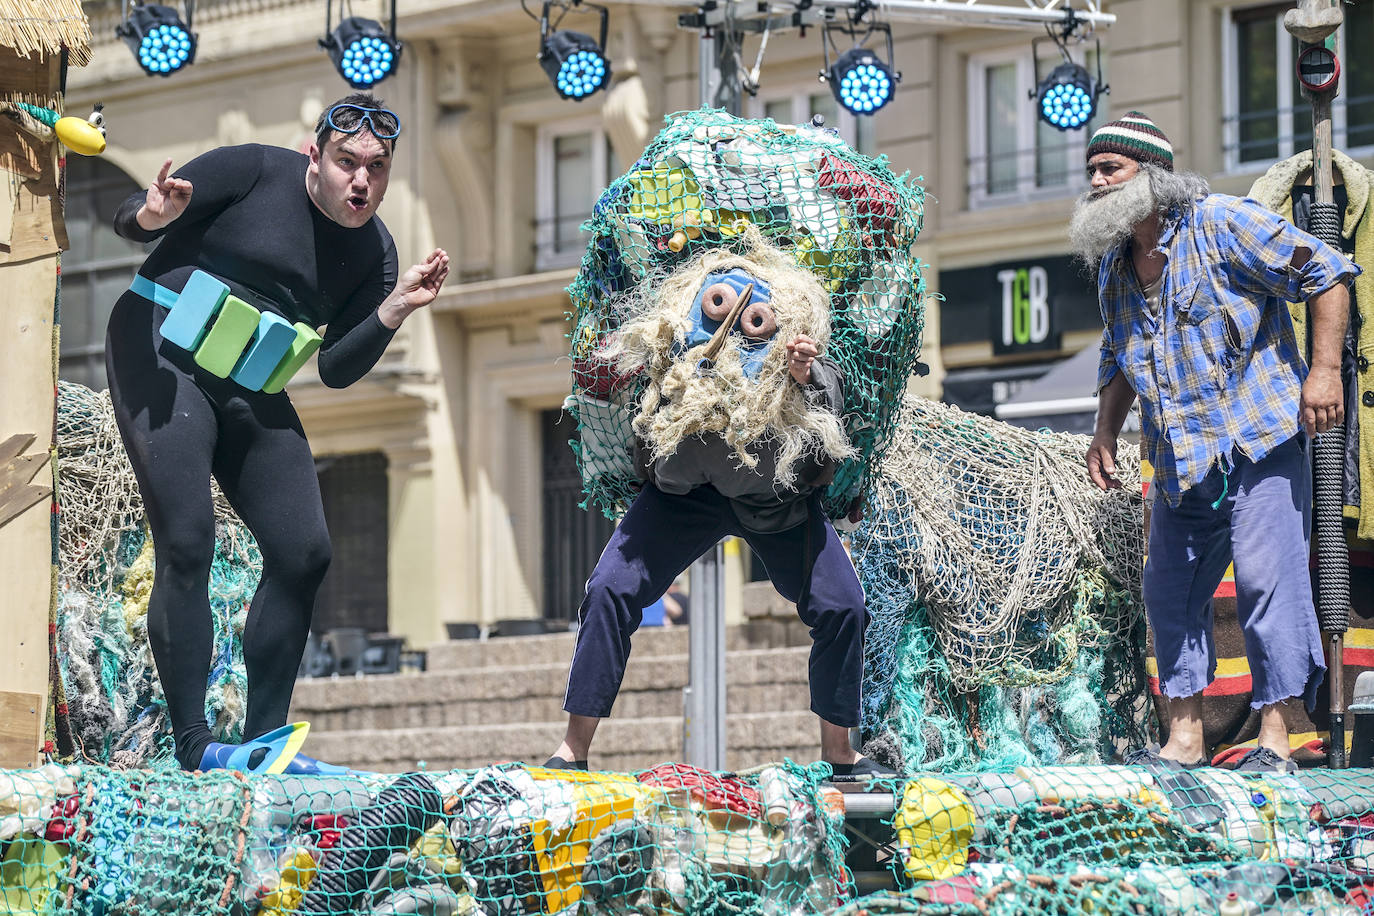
703 738
703 728
708 75
718 77
1333 556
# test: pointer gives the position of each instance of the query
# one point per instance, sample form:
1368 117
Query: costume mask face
752 330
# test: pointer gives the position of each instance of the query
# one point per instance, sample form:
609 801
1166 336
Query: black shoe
558 763
1149 756
864 767
1264 760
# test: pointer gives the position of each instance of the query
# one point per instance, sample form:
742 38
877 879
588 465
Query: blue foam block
200 300
273 338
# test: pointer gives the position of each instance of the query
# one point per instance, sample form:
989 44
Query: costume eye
757 321
718 300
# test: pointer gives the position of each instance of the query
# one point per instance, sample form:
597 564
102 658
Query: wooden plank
21 730
15 446
26 378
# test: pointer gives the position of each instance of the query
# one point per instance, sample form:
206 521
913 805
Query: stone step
511 651
634 704
748 666
622 744
758 680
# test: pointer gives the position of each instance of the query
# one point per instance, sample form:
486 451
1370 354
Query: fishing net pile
1005 595
676 841
116 708
500 841
1130 841
707 182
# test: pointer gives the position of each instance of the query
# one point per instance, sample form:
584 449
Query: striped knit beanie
1135 136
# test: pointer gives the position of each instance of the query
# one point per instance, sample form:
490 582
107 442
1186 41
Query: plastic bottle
1232 906
777 802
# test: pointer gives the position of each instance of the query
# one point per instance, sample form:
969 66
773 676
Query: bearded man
1193 290
738 432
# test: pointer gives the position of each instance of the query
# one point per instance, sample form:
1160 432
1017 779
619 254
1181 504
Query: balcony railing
1035 173
559 242
1277 133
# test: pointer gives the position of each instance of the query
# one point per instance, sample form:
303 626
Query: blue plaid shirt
1218 370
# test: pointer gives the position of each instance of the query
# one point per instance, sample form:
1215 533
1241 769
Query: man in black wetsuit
292 235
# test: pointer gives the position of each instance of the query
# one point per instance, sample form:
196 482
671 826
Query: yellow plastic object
661 194
234 327
560 851
296 874
29 872
934 826
307 341
80 136
831 266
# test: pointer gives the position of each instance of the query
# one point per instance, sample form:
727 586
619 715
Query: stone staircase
496 700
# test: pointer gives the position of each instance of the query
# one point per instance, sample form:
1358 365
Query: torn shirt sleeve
1271 254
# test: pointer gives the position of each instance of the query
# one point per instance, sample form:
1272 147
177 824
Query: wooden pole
1313 23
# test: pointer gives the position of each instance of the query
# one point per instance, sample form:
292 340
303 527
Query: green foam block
306 343
219 352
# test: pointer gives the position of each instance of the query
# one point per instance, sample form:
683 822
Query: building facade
446 471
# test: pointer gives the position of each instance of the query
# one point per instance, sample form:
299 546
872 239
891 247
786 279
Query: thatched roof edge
46 27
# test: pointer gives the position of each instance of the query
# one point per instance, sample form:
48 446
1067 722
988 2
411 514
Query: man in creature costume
738 432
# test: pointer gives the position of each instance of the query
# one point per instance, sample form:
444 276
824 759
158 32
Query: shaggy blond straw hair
772 410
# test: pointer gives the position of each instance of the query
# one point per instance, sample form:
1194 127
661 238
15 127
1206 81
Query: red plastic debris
722 793
62 821
873 199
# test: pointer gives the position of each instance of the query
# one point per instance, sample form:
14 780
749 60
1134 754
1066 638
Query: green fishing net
701 183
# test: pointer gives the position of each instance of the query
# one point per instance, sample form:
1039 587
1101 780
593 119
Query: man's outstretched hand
417 288
167 199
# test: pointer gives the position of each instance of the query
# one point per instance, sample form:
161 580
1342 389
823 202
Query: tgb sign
1025 310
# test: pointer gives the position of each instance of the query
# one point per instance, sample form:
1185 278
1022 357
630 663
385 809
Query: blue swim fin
270 753
277 752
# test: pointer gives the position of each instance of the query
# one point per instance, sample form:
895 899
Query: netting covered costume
709 181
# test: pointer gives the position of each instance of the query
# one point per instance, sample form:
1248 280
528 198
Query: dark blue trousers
660 536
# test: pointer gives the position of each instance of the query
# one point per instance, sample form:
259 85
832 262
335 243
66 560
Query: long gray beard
1100 223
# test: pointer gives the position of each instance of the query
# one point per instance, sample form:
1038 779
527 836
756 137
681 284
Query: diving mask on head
732 304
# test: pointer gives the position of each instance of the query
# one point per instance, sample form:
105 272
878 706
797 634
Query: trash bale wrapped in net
1129 841
671 841
712 182
106 561
151 841
1004 589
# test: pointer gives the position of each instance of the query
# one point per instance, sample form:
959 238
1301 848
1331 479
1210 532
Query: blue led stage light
1067 98
363 51
161 42
576 63
861 82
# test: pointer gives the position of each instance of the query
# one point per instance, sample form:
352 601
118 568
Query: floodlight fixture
576 63
363 51
161 41
861 80
1066 99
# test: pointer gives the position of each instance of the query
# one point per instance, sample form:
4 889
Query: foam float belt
234 327
271 341
306 343
229 337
